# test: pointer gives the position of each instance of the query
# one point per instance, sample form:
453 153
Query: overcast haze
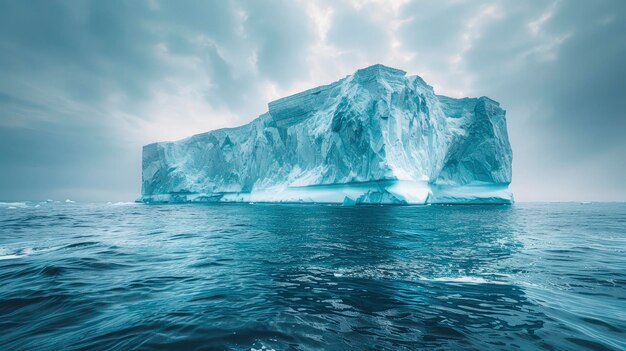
84 84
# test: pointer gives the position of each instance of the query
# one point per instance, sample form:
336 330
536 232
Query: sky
84 84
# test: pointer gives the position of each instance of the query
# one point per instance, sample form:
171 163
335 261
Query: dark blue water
242 277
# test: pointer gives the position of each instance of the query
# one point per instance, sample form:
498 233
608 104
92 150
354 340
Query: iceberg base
396 192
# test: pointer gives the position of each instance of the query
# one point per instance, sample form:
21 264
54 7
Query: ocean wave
122 203
12 205
464 280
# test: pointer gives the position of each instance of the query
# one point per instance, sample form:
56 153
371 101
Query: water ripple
123 276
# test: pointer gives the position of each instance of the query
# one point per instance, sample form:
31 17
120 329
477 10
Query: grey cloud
563 89
354 30
63 62
434 29
282 34
70 69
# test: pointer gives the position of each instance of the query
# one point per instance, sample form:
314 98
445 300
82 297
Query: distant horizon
584 202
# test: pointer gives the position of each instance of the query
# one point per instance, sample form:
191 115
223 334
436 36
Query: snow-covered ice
376 136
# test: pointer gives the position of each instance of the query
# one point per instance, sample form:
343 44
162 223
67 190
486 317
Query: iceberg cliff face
376 136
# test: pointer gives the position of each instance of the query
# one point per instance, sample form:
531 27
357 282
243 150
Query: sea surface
125 276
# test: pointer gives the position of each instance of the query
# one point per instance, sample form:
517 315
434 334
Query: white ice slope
376 136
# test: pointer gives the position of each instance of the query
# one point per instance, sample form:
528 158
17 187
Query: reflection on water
96 276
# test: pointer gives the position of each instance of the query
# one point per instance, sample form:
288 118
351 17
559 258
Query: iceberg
377 136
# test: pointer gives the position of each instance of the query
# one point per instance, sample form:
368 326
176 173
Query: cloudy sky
84 84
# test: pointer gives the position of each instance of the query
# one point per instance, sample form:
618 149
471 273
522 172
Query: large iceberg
376 136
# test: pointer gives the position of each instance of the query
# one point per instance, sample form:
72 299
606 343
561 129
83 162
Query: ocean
126 276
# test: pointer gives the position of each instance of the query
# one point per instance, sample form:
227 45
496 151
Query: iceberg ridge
376 136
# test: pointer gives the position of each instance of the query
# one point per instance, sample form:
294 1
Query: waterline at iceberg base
398 192
374 137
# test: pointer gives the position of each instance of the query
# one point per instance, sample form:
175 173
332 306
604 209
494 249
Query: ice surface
376 136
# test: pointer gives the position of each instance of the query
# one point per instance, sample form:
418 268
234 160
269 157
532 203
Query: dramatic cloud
85 84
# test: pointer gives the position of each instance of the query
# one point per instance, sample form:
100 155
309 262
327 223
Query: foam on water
464 280
6 254
126 203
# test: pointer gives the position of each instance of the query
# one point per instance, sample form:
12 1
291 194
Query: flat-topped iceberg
374 137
